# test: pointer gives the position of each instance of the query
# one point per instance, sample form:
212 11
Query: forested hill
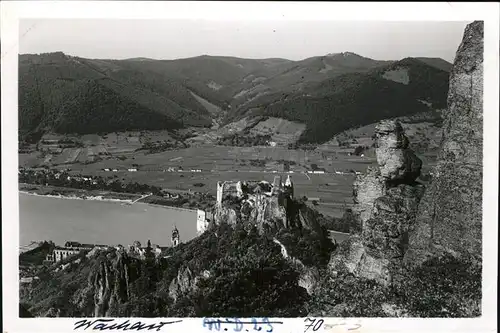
66 94
402 88
73 95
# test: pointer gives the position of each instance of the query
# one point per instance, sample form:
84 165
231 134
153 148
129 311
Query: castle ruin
256 202
239 189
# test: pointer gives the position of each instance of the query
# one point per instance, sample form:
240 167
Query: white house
132 169
62 253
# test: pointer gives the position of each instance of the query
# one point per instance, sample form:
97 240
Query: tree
148 253
359 150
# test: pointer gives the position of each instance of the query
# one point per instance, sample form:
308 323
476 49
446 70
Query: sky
294 40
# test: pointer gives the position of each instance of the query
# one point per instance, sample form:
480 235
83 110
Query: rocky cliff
109 284
308 276
185 282
386 200
401 222
450 213
95 285
266 209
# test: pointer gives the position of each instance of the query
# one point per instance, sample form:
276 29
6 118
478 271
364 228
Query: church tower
175 237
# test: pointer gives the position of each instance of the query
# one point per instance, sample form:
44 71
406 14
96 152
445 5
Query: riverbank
182 204
59 196
76 194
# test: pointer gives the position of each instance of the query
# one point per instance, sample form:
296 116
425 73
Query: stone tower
175 237
220 190
289 186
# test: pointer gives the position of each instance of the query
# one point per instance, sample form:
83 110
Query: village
136 249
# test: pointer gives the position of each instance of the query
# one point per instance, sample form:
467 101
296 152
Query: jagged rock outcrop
396 162
108 285
450 213
352 257
185 282
182 283
308 276
308 279
366 189
386 200
385 234
268 210
111 282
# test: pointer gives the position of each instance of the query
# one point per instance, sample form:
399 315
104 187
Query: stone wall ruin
258 203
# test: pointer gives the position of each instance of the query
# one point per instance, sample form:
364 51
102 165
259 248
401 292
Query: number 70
316 325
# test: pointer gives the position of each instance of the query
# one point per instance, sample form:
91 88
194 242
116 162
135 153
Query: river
100 222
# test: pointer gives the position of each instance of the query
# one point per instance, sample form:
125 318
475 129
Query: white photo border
13 11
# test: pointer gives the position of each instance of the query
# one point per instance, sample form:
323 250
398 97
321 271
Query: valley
198 167
186 122
215 186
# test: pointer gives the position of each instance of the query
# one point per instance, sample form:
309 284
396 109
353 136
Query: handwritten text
238 325
110 324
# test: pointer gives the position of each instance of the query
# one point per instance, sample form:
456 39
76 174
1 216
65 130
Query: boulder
185 282
308 279
352 257
450 213
395 160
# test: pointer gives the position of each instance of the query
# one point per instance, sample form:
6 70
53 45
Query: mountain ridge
236 86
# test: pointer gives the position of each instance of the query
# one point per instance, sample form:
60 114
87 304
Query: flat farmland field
30 159
219 158
203 166
281 130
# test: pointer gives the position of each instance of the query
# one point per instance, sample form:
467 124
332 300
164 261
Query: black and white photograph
184 168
